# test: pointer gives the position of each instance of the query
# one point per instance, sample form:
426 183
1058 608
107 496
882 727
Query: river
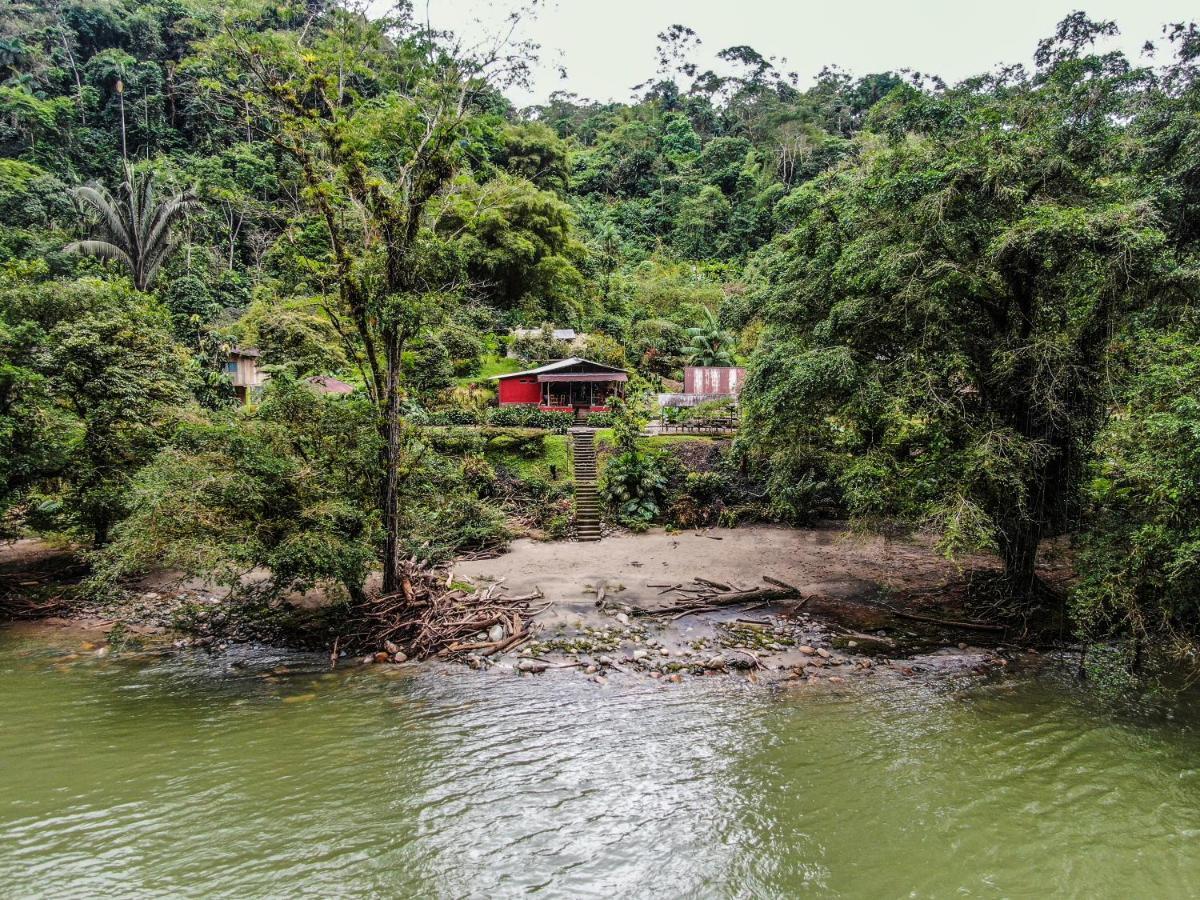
256 773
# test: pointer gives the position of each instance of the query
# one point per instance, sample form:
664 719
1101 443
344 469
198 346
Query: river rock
823 653
716 663
622 618
640 653
807 650
496 633
604 660
591 670
533 666
390 647
382 657
399 656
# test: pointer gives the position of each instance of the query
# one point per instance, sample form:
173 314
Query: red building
571 385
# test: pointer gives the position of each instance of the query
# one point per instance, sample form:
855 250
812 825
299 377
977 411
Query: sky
608 46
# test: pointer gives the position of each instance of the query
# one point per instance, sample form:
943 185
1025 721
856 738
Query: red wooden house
571 385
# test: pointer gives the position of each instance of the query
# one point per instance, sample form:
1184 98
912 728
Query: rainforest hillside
968 309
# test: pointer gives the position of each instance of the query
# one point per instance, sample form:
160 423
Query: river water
260 774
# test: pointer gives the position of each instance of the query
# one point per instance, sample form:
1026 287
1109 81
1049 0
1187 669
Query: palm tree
709 344
133 228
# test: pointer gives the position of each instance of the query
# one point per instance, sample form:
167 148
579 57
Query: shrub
454 417
702 499
600 420
530 417
635 486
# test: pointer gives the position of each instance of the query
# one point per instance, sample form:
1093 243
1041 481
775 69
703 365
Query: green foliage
709 344
1140 549
518 244
937 321
700 500
93 389
288 489
294 336
635 487
134 228
539 346
634 483
523 416
603 349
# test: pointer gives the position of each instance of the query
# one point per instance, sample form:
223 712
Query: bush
454 417
635 487
600 420
702 499
521 416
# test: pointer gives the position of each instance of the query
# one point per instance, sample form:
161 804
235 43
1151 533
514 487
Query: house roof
327 384
244 351
561 364
559 334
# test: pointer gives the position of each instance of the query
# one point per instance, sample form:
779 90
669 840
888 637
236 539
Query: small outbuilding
713 381
570 385
241 365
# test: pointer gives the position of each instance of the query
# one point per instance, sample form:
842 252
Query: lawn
493 365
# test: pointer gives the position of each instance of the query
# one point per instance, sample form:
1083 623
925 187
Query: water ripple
188 776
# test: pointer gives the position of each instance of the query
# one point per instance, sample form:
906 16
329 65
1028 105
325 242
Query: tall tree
375 115
940 317
133 227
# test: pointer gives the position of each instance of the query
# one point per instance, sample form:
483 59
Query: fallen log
933 620
709 599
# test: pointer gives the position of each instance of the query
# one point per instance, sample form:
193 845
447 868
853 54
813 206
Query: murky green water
210 776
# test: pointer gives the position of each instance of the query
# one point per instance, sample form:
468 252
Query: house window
231 367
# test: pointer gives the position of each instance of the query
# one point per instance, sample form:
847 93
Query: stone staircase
587 503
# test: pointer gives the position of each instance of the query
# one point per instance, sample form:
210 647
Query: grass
493 365
554 453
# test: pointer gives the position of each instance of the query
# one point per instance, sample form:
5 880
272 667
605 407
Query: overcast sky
607 46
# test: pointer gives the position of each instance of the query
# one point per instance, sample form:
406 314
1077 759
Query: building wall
520 389
725 381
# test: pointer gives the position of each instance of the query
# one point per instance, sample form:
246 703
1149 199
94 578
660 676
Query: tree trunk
391 519
1020 557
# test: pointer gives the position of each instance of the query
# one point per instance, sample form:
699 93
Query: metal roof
559 334
558 365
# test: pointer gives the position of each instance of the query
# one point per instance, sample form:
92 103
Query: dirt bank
837 627
828 564
835 630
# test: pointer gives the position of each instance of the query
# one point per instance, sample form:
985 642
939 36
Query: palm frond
103 249
106 208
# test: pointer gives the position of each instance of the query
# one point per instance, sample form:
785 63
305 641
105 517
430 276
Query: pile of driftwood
703 595
429 616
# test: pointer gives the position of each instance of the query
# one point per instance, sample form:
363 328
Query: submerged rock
496 633
533 666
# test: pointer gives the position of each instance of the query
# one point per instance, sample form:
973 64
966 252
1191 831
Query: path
587 507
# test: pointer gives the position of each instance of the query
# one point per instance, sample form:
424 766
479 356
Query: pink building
713 381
